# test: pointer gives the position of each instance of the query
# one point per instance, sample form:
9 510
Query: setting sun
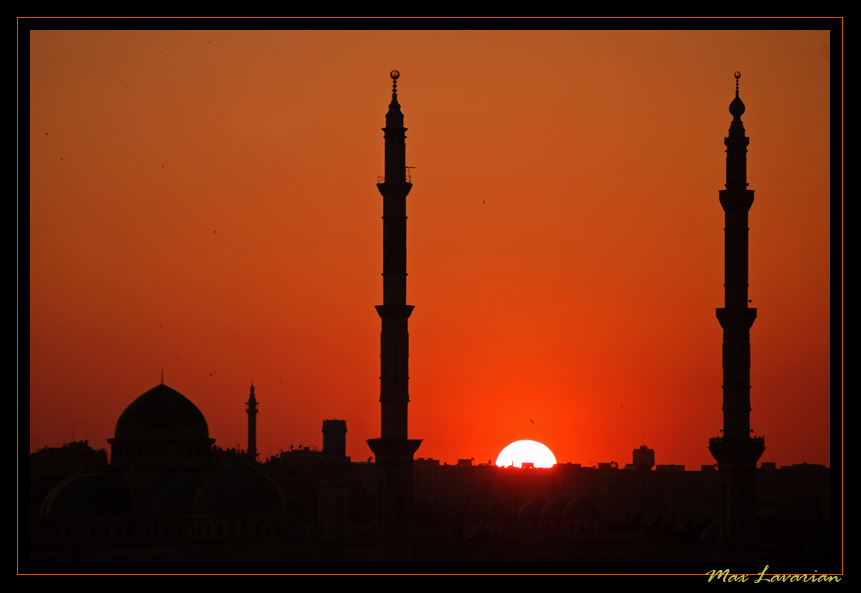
525 451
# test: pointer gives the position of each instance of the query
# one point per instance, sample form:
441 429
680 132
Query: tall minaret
393 451
736 451
251 410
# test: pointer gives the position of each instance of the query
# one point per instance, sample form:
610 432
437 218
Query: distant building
644 458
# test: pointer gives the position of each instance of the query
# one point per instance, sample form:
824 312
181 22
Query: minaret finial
394 74
736 107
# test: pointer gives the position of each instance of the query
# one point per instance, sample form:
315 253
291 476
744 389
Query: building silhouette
333 483
736 451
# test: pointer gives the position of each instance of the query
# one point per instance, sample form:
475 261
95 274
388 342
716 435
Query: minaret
251 410
736 451
393 451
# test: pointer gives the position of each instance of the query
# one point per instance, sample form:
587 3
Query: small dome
531 510
241 489
161 413
582 509
88 495
552 511
736 108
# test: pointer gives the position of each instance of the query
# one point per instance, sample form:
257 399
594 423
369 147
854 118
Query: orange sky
204 203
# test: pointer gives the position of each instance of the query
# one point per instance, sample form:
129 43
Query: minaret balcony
737 450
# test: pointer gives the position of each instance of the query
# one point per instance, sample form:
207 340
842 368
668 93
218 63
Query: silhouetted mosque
162 497
169 494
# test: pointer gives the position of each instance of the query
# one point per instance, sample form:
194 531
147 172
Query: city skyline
203 203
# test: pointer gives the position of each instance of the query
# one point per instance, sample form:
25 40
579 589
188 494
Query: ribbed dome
161 413
239 489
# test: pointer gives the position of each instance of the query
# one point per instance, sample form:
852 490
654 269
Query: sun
525 451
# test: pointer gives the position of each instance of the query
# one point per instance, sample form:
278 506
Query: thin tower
736 450
393 451
251 410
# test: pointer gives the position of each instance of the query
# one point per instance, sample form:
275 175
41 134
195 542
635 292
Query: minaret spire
394 450
736 451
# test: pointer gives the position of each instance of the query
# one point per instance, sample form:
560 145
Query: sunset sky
203 204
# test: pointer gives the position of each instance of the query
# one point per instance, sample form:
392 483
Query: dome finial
737 76
162 376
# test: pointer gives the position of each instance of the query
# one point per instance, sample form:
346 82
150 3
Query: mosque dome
238 488
161 414
88 495
582 509
553 510
531 511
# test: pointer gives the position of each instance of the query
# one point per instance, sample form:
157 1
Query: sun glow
525 451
